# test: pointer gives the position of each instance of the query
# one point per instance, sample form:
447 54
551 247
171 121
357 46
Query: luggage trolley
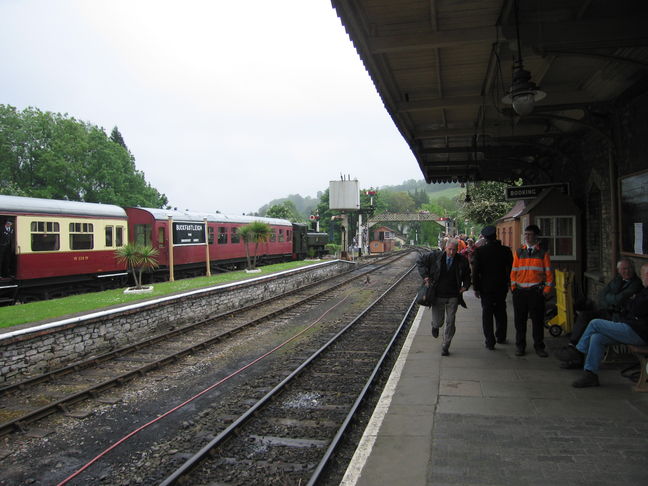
561 319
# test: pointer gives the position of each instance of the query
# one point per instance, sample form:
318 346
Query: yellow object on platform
564 301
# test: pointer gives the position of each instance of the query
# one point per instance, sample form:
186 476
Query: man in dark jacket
613 298
449 275
6 239
492 264
632 328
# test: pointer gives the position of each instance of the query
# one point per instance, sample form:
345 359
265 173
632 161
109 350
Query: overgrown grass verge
50 309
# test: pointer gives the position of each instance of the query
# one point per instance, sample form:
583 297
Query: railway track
290 435
22 404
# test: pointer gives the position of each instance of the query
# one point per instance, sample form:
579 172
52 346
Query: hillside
305 205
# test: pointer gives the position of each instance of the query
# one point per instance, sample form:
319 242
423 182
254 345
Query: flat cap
489 231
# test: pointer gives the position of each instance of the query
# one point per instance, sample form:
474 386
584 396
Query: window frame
49 228
553 237
81 235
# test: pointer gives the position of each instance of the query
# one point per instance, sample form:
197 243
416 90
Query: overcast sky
225 104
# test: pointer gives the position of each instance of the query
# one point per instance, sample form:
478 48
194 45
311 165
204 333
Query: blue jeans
598 335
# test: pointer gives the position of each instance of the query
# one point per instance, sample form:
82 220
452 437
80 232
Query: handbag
425 295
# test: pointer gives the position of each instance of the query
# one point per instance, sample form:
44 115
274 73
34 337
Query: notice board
633 209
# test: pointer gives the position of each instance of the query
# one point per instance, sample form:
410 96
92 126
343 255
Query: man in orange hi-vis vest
532 282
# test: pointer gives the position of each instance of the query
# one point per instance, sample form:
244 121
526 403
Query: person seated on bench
630 329
613 306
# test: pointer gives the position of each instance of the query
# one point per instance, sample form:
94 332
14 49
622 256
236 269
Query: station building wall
596 158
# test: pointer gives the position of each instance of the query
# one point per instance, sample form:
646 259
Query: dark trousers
494 306
5 260
529 303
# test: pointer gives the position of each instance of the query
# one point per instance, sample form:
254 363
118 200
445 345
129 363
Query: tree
285 210
256 232
398 202
487 202
54 156
137 258
116 137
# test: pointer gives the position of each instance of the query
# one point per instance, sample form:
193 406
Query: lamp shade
523 93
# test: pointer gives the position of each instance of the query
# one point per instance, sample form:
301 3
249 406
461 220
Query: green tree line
54 156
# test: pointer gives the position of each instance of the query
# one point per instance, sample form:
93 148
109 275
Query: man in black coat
6 239
492 263
449 275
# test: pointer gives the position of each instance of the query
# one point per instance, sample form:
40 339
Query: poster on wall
633 213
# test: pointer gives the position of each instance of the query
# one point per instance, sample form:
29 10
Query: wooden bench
642 353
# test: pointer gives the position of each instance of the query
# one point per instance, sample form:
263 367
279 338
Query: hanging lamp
523 93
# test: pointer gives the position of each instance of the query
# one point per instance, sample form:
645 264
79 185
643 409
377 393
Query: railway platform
481 417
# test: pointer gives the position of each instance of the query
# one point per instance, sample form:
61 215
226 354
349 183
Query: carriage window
109 235
222 235
45 236
281 236
236 238
160 236
81 236
142 234
210 235
273 236
288 235
119 236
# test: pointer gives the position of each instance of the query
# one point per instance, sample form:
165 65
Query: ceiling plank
432 40
585 33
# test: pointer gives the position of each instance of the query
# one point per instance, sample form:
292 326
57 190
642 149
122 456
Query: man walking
449 275
531 283
492 264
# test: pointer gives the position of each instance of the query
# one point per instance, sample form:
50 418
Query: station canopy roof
443 67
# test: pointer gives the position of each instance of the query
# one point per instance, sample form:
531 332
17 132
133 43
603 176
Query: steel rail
19 423
205 451
361 398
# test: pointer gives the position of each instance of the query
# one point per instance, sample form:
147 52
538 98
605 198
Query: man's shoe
569 353
445 352
502 341
435 332
490 347
519 352
572 364
588 379
541 352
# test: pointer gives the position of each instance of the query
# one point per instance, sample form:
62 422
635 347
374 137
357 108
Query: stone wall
35 350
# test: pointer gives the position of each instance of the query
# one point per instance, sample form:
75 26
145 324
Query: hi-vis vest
532 268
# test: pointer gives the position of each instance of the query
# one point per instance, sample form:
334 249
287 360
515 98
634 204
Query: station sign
533 191
190 233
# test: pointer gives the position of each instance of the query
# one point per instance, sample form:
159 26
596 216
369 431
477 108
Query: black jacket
429 265
492 268
637 315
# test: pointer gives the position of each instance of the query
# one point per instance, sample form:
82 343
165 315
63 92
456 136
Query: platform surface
481 417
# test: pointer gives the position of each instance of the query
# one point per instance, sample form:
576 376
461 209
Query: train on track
60 248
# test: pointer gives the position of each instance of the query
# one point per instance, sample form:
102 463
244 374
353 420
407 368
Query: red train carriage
63 245
226 247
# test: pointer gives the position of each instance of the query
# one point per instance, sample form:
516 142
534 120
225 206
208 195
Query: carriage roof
28 205
163 214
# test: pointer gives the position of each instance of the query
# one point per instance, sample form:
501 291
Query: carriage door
7 246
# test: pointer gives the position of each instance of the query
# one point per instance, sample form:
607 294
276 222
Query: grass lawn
49 309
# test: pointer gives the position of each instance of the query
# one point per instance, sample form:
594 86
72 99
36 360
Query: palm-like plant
256 232
138 258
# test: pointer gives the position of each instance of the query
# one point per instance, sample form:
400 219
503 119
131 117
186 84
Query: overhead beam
431 40
554 97
603 32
